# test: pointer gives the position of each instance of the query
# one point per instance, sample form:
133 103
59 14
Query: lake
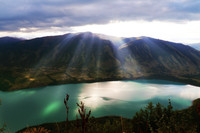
35 106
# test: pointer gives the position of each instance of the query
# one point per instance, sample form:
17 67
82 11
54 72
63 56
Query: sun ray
76 59
33 73
89 55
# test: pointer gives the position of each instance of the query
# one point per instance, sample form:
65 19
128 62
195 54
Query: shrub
36 130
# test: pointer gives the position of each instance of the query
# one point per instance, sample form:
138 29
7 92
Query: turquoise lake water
35 106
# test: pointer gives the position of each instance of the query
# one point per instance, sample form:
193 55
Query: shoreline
151 77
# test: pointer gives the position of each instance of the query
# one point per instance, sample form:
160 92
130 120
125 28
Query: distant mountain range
88 57
195 45
8 40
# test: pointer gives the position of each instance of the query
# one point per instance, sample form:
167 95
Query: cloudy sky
173 20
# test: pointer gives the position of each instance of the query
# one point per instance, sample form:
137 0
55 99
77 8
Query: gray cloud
67 13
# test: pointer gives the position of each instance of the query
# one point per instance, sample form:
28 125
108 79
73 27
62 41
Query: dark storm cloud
65 13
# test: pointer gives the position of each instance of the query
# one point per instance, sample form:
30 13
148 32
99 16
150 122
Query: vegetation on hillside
86 57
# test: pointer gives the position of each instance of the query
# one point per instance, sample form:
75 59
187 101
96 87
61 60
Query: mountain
195 45
154 55
88 57
9 40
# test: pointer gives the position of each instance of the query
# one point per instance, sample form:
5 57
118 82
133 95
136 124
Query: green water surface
35 106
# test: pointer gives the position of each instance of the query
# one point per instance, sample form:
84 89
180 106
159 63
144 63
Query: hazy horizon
172 20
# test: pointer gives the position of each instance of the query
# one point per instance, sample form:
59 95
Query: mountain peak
8 40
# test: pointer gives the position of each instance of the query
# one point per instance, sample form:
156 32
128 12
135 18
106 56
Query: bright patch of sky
187 32
173 20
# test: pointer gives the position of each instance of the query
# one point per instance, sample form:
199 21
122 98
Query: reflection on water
52 107
40 105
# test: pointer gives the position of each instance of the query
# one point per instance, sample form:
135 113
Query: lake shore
186 79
